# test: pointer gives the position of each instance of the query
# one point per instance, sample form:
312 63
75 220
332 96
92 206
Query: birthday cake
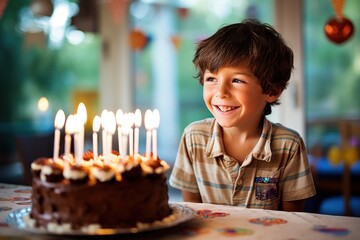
87 192
122 194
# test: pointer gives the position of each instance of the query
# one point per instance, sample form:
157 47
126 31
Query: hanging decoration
338 29
348 150
138 39
176 41
252 11
183 12
2 7
118 9
348 154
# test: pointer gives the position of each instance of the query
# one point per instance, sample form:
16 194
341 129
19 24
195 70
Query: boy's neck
239 142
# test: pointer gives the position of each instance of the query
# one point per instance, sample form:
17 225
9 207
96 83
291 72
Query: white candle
96 128
137 126
111 128
119 120
69 129
77 148
77 139
156 122
131 117
82 113
59 124
125 132
104 134
148 125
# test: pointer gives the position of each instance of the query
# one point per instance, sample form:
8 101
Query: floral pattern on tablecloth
267 221
12 197
237 231
332 230
24 201
25 191
206 213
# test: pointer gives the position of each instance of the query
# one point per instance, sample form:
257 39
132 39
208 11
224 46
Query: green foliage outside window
331 72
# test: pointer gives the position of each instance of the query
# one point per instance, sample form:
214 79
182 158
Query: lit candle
148 125
110 128
81 112
137 126
69 129
96 128
125 132
104 134
77 139
156 122
131 118
59 124
119 120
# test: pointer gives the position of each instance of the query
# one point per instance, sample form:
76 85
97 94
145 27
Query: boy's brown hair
268 56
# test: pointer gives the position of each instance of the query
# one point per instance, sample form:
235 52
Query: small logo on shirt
266 188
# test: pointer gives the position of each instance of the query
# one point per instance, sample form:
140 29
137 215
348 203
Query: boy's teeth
225 108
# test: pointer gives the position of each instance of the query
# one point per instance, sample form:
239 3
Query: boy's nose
222 91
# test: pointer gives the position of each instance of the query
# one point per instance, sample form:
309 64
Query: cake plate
181 213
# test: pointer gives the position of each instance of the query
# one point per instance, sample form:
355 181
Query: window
42 56
332 75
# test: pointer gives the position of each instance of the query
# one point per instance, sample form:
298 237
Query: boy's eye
236 80
209 79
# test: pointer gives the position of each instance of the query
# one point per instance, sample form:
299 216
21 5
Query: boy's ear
271 97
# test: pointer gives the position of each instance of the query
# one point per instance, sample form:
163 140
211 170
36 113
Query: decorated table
209 221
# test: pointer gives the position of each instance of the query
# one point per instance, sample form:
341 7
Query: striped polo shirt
276 170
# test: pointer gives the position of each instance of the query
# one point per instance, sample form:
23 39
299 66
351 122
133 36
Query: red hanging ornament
338 29
2 6
183 12
138 40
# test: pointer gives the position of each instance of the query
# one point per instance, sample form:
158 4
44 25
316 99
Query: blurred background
129 54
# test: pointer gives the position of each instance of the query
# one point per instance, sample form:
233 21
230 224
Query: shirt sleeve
182 176
298 182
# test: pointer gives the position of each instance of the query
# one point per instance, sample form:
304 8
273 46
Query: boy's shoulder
277 129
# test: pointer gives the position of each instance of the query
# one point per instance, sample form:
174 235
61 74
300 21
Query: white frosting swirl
45 170
75 174
103 175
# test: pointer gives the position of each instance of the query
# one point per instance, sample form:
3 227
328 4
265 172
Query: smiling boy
239 157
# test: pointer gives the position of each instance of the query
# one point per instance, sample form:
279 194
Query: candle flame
103 118
148 120
81 111
137 118
119 116
96 123
69 126
59 119
156 118
111 123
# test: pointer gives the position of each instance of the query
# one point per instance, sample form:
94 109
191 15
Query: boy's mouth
225 108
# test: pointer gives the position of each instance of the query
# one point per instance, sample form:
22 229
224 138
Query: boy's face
234 96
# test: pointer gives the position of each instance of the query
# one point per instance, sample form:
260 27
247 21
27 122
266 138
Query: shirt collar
261 151
215 147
